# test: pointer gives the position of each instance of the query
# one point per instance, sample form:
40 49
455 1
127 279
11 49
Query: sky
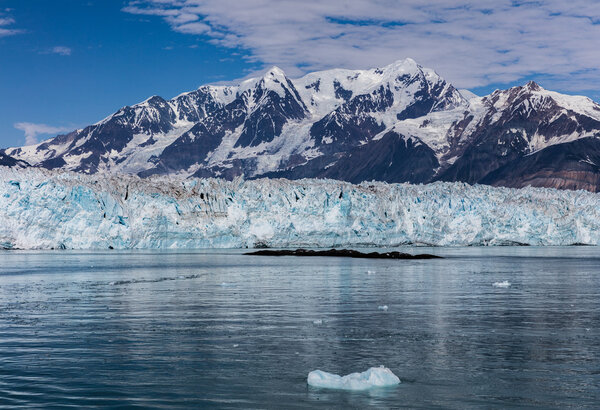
65 64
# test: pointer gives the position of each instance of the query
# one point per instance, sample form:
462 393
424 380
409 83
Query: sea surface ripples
157 329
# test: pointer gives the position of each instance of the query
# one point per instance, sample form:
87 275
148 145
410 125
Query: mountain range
399 123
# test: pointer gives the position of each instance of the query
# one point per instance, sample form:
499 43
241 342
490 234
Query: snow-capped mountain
527 136
399 123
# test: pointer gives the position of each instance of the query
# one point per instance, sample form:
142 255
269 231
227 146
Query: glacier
42 209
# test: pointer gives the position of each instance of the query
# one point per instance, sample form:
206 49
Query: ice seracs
54 210
374 377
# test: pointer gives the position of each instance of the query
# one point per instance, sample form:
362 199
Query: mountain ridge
398 123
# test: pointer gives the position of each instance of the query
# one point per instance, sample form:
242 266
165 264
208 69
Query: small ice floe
374 377
503 284
383 307
227 284
112 283
370 272
318 322
235 345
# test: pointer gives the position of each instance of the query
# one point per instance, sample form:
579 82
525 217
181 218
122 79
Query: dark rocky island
342 253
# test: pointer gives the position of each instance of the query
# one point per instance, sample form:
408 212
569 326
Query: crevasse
44 210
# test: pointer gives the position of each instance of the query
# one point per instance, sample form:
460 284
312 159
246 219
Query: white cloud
61 50
193 28
32 131
470 42
7 32
7 21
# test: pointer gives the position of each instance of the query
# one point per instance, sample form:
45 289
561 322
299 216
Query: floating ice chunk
384 307
318 322
504 284
374 377
370 272
236 345
112 283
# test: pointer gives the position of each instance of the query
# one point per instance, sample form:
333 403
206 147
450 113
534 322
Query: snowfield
48 210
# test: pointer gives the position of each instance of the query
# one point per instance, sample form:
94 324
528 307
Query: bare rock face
574 165
399 123
8 161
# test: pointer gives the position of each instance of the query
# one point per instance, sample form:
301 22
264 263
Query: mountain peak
407 64
154 100
274 71
273 79
533 86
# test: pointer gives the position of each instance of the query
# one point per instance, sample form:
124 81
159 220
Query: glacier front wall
44 210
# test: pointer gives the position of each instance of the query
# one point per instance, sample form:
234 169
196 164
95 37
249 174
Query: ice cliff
42 209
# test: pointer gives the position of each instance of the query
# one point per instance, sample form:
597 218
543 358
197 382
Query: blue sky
115 59
66 64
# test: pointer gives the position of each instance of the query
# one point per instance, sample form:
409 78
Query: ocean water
217 329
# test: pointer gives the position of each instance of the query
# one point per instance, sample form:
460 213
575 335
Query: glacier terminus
43 209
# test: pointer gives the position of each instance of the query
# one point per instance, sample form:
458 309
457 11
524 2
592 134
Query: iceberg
374 377
42 209
503 284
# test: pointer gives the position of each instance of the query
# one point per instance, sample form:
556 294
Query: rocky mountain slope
8 161
399 123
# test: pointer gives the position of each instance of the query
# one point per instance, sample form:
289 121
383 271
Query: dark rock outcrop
8 161
347 253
